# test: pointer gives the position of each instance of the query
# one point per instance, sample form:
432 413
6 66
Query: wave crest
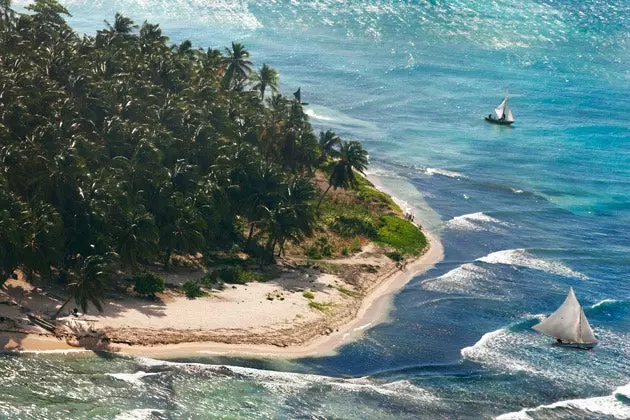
522 258
475 222
609 406
444 172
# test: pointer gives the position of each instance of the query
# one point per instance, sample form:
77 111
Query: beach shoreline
318 338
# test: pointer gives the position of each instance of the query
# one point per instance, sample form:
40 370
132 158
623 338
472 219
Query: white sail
508 113
499 110
504 111
568 323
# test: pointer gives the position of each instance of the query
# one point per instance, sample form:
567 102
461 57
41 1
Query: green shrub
402 235
210 279
395 255
249 276
312 252
325 248
349 226
308 294
345 251
355 246
192 289
148 284
232 275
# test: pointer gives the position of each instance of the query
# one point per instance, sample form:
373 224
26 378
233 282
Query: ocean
524 213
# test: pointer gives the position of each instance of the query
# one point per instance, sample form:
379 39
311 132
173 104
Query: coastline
373 308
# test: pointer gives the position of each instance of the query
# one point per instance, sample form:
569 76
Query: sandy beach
271 319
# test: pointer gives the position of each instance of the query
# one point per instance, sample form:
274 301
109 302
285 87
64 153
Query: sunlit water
524 213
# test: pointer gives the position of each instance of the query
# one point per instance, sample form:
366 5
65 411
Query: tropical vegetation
119 150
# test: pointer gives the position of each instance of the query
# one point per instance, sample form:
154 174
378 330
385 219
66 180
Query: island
161 199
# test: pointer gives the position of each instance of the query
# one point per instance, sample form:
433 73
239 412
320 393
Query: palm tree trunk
323 195
281 247
61 308
251 233
167 261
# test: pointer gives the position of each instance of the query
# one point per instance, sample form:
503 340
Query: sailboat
298 96
568 325
503 114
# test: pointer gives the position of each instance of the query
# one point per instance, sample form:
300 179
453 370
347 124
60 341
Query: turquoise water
524 213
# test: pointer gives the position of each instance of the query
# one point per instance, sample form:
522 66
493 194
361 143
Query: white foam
289 382
608 406
488 351
468 279
317 116
133 378
139 413
522 258
235 14
511 349
623 391
362 327
604 302
53 351
475 222
444 172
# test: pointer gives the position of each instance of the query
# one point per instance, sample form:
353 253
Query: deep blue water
523 212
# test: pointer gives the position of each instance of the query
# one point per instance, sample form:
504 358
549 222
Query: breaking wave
615 406
517 349
444 172
607 305
482 281
522 258
133 378
470 279
475 222
140 414
290 382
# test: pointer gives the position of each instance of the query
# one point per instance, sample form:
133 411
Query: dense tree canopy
121 144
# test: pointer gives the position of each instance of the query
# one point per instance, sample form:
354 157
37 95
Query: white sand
243 314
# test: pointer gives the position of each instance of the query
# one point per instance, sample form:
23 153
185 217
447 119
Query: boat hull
498 122
576 346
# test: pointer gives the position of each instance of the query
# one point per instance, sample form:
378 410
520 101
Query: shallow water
524 213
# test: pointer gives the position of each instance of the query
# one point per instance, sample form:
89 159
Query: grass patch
308 294
374 198
401 235
321 306
327 267
347 292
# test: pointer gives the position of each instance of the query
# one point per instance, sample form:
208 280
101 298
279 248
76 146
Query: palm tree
328 141
291 218
138 238
182 228
44 244
352 157
6 14
266 77
261 190
122 25
236 65
87 282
